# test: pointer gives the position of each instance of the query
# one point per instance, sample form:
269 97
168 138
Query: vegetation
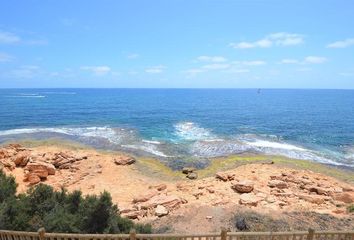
351 208
60 211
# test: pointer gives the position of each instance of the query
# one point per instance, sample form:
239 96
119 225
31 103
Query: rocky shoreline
265 188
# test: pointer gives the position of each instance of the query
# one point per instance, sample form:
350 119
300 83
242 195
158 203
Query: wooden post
132 234
41 233
223 234
311 234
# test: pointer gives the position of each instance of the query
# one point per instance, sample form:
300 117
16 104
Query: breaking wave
191 131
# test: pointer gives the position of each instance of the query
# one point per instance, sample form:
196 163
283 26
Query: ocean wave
60 93
191 131
25 96
107 133
147 148
151 141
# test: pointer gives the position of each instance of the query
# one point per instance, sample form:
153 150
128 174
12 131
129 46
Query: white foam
191 131
152 142
101 132
275 145
150 149
26 96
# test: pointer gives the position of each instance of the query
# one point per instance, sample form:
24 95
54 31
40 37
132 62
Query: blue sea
188 125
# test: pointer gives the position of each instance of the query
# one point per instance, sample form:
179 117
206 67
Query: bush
350 208
60 211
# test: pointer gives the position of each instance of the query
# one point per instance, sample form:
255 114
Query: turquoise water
179 125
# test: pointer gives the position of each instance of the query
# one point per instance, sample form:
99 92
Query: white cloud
5 57
211 59
8 38
315 60
274 39
253 63
133 56
342 44
27 71
306 60
289 61
216 66
97 70
304 69
155 69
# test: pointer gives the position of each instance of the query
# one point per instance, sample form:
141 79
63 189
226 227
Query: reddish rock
33 166
161 211
244 186
187 170
222 176
33 179
169 202
124 160
249 199
312 199
345 197
319 190
145 197
21 159
278 184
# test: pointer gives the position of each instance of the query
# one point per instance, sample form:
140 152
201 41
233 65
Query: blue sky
224 43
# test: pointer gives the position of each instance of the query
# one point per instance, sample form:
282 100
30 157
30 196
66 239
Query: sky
177 44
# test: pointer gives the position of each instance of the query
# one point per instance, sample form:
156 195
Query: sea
188 126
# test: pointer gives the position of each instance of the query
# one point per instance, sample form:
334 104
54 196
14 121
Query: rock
319 190
192 175
241 224
209 217
33 179
159 187
161 211
222 176
3 154
278 184
7 163
145 197
21 159
210 190
312 199
124 160
249 199
33 166
169 202
244 186
41 173
187 170
345 197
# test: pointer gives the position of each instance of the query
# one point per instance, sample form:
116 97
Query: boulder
312 199
7 163
33 166
245 186
33 179
124 160
161 211
277 184
21 159
241 224
145 197
3 154
192 175
345 197
222 176
319 190
170 202
187 170
249 199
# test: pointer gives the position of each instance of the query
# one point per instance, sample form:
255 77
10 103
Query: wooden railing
224 235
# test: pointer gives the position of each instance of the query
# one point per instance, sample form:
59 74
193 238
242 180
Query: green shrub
351 208
60 211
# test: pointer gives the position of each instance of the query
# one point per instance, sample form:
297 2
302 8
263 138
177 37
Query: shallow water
188 124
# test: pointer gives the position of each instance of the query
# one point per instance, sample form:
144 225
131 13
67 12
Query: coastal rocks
21 159
41 166
64 160
161 211
344 197
312 199
192 175
32 179
244 186
277 184
145 197
124 160
224 176
168 201
187 170
249 199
